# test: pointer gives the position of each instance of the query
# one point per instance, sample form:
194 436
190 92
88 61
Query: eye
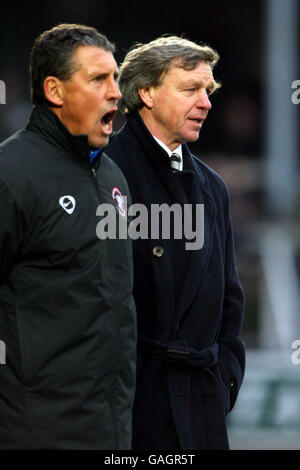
100 77
209 91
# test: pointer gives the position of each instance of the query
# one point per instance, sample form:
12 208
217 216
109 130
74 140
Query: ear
146 95
53 90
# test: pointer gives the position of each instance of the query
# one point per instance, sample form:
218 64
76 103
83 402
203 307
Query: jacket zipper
117 327
94 173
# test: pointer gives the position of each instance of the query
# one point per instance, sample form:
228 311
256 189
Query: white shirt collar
178 150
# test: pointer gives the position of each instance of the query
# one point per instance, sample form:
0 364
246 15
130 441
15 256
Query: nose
113 91
203 100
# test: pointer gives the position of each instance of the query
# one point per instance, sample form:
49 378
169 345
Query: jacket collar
45 123
154 152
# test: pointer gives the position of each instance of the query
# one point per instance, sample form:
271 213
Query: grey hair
145 65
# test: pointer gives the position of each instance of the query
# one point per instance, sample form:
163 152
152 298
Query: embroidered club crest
119 201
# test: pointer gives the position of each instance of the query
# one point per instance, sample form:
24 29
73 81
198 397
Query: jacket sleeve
11 231
231 347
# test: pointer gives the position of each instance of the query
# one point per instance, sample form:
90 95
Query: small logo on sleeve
68 203
119 201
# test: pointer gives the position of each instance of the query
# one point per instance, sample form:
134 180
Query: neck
155 129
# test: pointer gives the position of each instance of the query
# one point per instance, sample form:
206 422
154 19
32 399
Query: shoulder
21 144
120 148
112 172
216 188
108 165
11 145
124 138
15 154
212 179
19 139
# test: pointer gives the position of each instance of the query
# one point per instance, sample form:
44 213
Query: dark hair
53 54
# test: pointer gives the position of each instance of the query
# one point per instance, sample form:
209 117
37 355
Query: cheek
89 111
177 112
169 112
180 116
86 100
75 105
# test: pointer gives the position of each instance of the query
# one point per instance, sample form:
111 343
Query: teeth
106 127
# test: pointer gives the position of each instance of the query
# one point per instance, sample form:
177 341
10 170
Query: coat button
158 251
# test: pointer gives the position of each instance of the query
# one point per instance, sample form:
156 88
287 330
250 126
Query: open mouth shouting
107 120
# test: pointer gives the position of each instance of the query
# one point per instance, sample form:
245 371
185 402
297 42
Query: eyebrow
103 75
212 85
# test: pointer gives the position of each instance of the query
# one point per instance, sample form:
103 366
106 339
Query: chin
191 137
97 143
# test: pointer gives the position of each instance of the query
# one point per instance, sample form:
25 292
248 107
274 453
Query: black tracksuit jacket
67 316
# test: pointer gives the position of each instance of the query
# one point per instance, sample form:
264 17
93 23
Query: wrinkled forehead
201 71
89 57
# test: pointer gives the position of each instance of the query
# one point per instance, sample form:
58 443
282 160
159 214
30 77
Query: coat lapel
198 260
187 186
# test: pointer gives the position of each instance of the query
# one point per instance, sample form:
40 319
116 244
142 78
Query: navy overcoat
189 302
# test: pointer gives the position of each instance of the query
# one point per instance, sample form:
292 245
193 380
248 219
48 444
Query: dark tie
175 160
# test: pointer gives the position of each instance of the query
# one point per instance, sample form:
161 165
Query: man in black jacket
67 316
188 296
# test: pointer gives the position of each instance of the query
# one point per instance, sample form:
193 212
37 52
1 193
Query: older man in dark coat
188 296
